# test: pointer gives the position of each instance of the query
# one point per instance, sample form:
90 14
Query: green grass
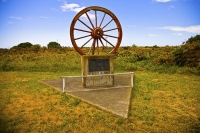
67 60
165 97
159 103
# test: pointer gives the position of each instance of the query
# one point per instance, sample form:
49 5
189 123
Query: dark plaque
99 65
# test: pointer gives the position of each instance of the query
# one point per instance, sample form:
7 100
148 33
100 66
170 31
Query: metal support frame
64 85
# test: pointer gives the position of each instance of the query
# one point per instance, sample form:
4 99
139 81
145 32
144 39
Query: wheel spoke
96 17
110 36
101 42
93 46
89 20
110 29
89 50
107 23
102 19
84 24
86 42
82 30
82 37
108 42
98 36
97 46
103 45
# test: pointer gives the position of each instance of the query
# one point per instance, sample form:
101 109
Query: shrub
188 54
36 48
164 59
53 45
24 45
134 46
193 39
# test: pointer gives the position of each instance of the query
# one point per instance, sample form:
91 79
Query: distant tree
14 47
188 54
134 46
125 47
53 45
155 46
192 39
36 47
24 45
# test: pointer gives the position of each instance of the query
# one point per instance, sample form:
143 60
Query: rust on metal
95 30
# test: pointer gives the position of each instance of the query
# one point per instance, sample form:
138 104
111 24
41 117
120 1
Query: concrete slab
114 99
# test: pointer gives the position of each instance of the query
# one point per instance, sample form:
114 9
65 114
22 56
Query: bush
53 45
22 45
164 59
188 54
36 48
193 39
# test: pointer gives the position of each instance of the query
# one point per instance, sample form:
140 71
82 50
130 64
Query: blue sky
144 22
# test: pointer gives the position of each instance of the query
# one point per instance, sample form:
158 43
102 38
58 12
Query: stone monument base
97 65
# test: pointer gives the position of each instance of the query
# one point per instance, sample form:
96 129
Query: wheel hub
97 33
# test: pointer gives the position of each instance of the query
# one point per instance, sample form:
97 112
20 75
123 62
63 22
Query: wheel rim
91 28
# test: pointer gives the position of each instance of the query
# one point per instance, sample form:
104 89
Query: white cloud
30 17
153 35
43 17
192 29
63 1
171 7
162 0
177 34
72 7
10 22
18 18
75 8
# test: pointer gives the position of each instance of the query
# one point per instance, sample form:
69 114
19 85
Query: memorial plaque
99 65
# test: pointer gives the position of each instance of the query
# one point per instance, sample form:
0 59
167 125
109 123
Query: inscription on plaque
99 65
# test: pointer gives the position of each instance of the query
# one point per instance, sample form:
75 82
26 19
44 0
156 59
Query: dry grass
167 103
160 103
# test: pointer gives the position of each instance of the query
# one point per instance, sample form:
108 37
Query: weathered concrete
114 99
95 65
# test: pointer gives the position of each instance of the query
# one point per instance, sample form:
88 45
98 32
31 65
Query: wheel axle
97 33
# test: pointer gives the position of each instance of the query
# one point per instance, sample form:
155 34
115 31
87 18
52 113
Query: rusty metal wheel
95 30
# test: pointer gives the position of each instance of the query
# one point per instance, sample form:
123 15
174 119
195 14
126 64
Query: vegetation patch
159 103
165 97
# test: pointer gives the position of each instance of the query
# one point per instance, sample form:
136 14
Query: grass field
159 103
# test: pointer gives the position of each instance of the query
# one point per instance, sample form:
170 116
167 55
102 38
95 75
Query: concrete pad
114 99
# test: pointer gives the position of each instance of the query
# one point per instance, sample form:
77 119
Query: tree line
187 54
28 45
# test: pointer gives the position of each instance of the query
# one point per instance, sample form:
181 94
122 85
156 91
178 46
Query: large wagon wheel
93 28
